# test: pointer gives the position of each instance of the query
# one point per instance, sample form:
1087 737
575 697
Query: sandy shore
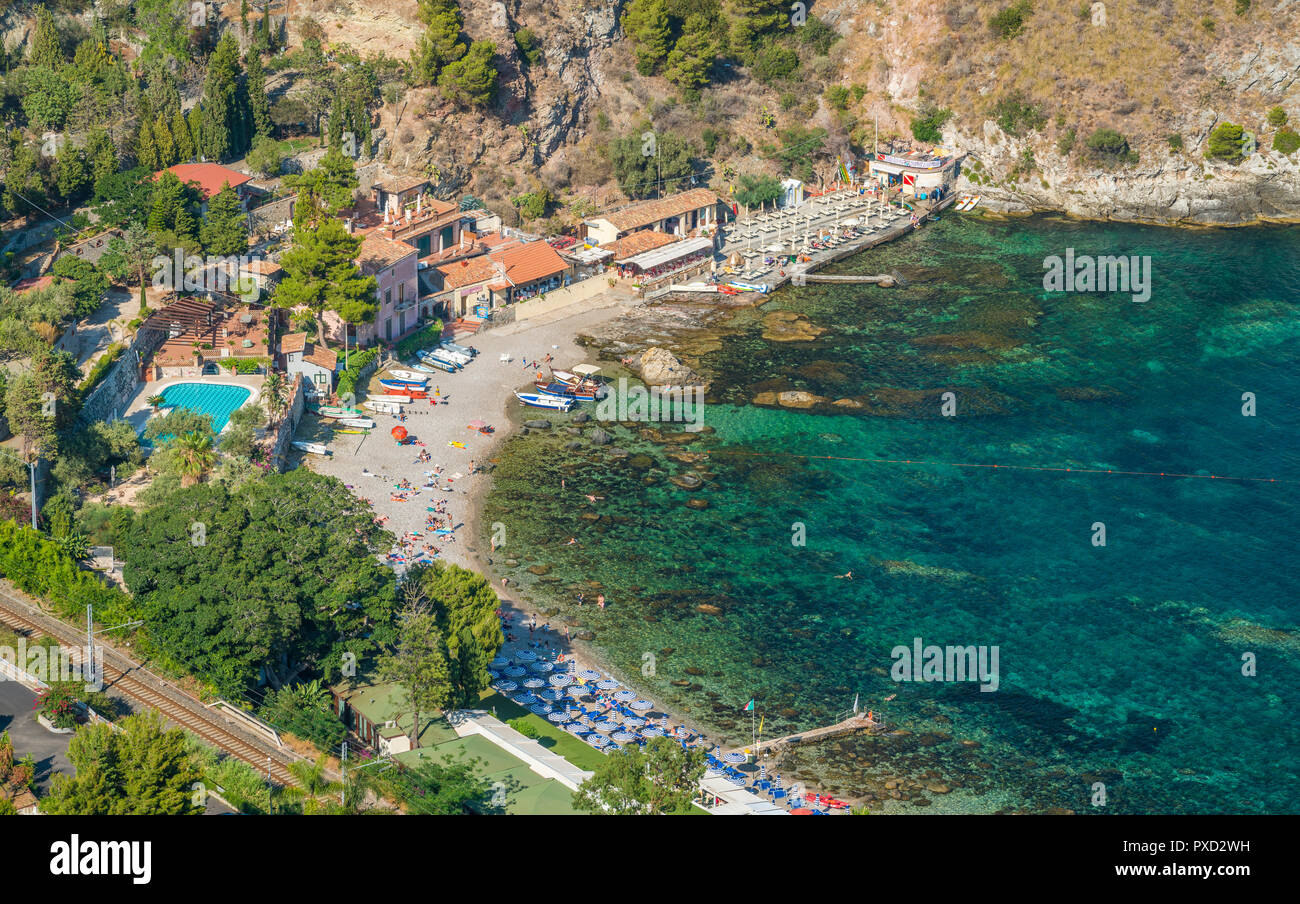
482 391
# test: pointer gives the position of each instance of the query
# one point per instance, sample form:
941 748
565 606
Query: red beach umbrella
399 433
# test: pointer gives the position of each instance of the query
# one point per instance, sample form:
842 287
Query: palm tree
156 402
314 791
274 390
196 456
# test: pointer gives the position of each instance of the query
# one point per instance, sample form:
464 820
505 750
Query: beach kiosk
917 174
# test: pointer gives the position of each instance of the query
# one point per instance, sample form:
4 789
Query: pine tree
102 154
46 50
691 58
225 104
225 230
72 173
195 122
441 43
182 138
752 20
321 274
646 23
146 154
259 106
472 80
163 145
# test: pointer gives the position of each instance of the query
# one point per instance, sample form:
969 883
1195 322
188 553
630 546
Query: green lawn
577 752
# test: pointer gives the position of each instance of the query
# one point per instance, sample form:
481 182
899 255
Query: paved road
18 717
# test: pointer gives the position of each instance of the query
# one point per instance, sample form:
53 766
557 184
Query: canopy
665 253
587 370
399 433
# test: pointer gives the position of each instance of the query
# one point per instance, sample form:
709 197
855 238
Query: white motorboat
361 423
314 448
410 376
539 400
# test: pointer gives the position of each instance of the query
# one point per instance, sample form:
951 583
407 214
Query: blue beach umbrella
499 663
596 740
633 722
622 736
624 696
590 675
551 694
561 680
608 684
542 666
558 717
735 758
526 656
541 709
515 672
642 704
607 726
652 732
505 686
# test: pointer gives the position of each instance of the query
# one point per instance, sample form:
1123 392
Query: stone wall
288 425
109 399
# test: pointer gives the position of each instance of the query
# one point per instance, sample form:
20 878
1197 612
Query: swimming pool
216 399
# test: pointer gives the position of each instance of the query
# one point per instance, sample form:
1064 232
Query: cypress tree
46 50
259 106
182 138
145 152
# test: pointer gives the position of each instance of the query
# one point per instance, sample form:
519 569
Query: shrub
775 63
928 126
425 336
1207 23
1242 7
1276 117
1015 116
1175 142
1286 141
525 728
1109 146
1010 22
838 97
101 367
1226 142
1066 142
529 46
357 361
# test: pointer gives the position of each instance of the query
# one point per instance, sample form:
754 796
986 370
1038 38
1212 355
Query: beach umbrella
494 673
683 732
551 694
534 682
735 758
524 699
577 690
652 732
515 672
607 685
499 663
597 740
504 685
641 704
558 717
590 675
738 780
542 666
399 433
560 680
540 709
624 696
607 725
622 736
633 722
525 656
711 772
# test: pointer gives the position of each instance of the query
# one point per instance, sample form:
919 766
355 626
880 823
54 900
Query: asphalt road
18 717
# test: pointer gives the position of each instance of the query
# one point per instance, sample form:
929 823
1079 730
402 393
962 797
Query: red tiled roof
294 342
637 242
648 212
467 272
209 176
378 253
322 357
530 262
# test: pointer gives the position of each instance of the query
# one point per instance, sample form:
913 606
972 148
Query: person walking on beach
600 601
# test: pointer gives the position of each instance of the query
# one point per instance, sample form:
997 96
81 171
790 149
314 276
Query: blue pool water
217 400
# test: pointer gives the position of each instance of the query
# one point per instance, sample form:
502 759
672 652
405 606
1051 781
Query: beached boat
314 448
538 400
582 391
426 369
401 384
447 354
463 349
444 366
383 407
411 376
360 423
400 397
749 287
333 411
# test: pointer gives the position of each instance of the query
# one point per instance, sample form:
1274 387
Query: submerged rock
687 481
538 424
600 438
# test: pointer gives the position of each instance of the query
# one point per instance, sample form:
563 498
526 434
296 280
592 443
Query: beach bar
915 173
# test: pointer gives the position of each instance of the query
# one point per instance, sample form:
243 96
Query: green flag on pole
749 707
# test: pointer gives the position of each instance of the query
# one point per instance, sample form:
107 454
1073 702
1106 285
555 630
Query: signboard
909 179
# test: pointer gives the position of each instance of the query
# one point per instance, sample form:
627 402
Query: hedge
40 568
428 335
357 361
101 367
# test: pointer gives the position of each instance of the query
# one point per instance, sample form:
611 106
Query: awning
657 256
587 370
588 255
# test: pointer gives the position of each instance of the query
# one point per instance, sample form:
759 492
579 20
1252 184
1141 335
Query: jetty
883 279
852 725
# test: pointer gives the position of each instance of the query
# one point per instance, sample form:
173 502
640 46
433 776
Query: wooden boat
411 376
314 448
402 384
538 400
333 411
362 423
426 369
581 392
353 430
399 397
383 407
445 366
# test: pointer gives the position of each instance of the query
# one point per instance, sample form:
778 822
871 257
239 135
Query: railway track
178 707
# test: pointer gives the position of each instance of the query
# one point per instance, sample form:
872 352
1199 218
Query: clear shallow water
1120 664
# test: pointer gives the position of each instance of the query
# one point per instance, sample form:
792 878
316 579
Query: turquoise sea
1119 664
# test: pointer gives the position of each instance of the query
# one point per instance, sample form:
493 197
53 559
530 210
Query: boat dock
853 724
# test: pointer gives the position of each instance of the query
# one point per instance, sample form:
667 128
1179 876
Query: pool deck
138 411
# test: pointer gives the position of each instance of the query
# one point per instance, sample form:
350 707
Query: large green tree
143 769
225 128
646 164
420 663
321 274
472 80
660 779
646 23
441 42
225 228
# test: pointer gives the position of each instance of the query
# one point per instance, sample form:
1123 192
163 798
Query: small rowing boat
402 384
383 407
448 354
399 397
360 423
314 448
444 366
410 376
463 349
538 400
334 411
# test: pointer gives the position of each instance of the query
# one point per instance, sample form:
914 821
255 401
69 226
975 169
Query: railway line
133 680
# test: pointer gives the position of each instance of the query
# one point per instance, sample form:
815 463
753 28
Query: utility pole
91 676
343 785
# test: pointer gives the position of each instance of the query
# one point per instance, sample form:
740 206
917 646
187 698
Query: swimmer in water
847 574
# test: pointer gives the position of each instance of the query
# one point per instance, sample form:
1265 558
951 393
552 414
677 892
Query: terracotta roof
209 176
637 242
378 253
294 342
467 272
648 212
322 357
531 262
261 266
